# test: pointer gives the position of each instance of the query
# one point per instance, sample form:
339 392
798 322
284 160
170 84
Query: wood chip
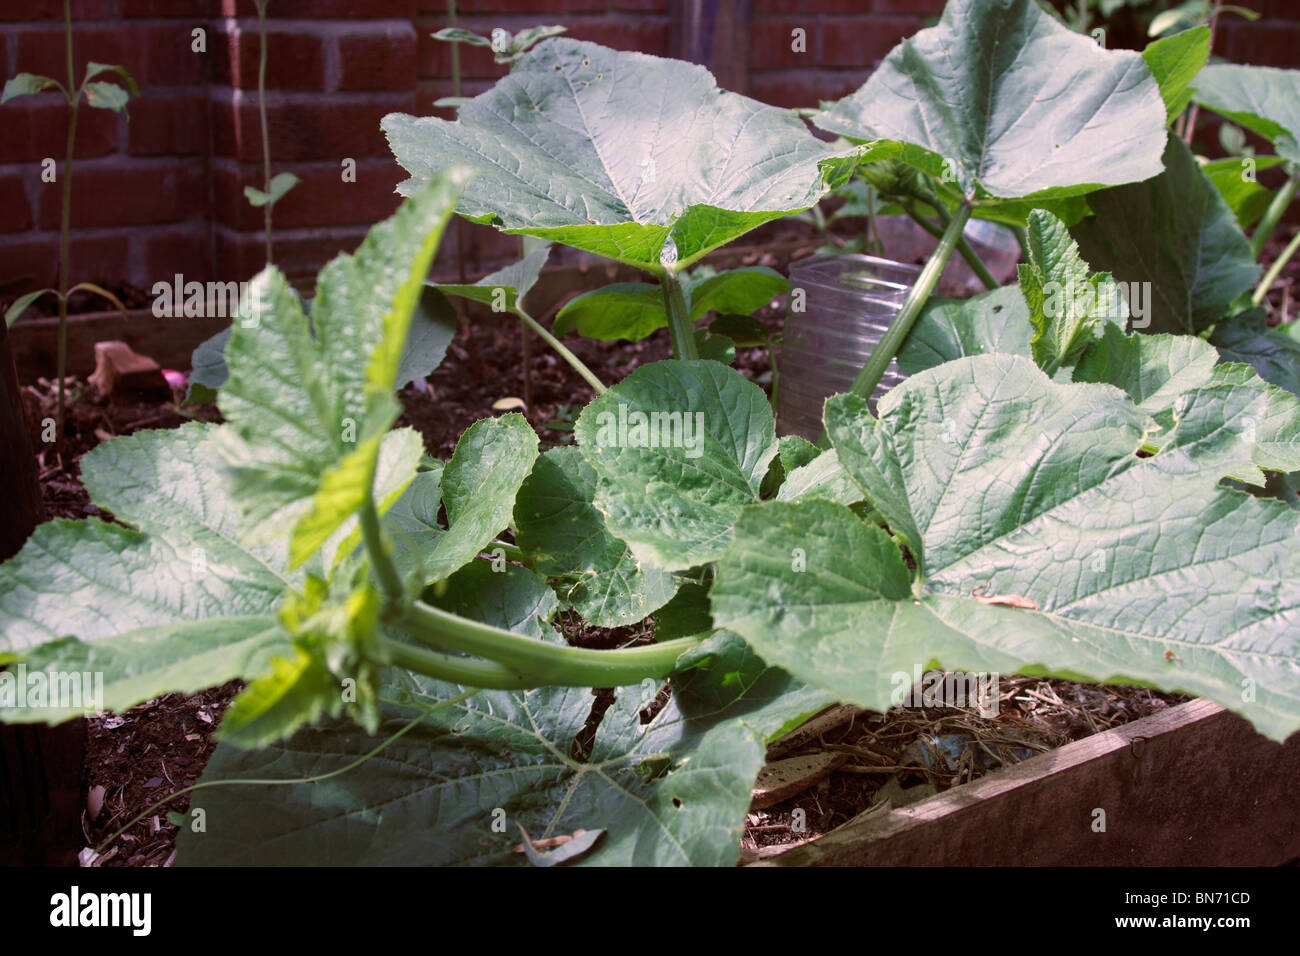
783 779
821 725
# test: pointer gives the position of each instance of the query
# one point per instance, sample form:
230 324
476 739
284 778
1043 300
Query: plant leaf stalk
574 362
1273 214
261 109
1275 270
65 217
892 341
969 254
680 327
510 660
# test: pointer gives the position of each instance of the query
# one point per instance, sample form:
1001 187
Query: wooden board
1192 786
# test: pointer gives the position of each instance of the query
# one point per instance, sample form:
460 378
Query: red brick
640 6
295 60
378 58
323 9
129 194
307 128
771 44
486 249
809 6
15 208
1261 43
36 127
475 61
53 10
861 41
165 125
555 9
241 256
321 198
202 9
154 55
182 249
922 8
33 263
429 93
802 88
643 38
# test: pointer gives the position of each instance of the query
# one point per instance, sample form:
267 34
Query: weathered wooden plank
1194 785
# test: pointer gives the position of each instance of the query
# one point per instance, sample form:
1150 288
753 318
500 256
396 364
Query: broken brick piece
119 369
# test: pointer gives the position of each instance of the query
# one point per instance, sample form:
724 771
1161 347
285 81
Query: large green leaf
1160 373
1067 302
620 310
1261 98
619 153
564 536
1176 233
1004 102
679 449
1273 353
505 288
1142 569
513 598
309 403
433 326
1174 61
993 321
477 488
173 604
1235 179
633 310
667 794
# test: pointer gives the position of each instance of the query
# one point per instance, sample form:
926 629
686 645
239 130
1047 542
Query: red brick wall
160 190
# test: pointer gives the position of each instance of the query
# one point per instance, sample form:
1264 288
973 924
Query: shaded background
160 190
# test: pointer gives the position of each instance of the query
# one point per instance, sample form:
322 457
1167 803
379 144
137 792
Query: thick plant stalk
524 661
680 327
65 219
1275 270
574 362
892 341
1273 215
970 255
551 664
456 670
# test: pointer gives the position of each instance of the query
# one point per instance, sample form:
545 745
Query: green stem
680 327
892 341
1273 215
524 661
65 219
576 363
552 664
1275 270
455 50
373 535
261 108
972 258
456 670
